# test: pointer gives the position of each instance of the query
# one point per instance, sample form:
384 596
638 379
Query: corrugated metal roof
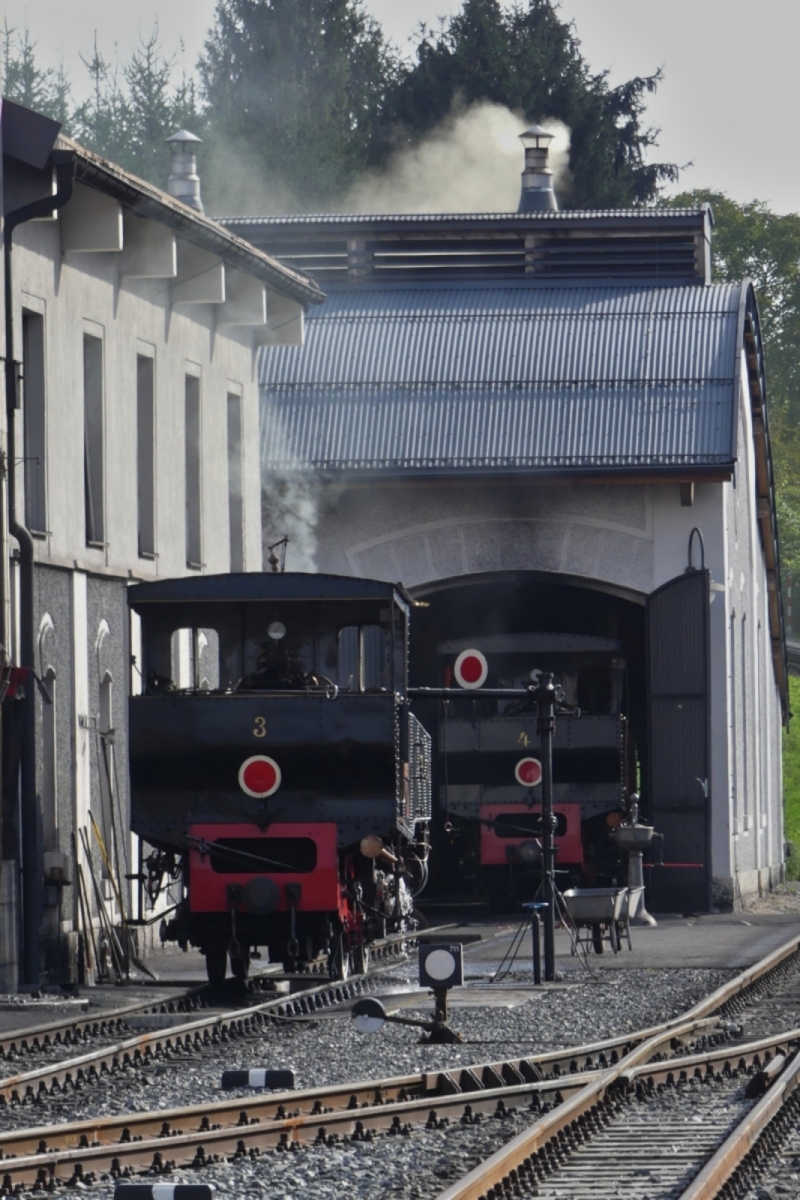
506 376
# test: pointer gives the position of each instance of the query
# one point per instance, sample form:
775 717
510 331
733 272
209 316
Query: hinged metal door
679 758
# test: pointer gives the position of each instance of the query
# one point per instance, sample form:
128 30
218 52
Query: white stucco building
135 323
545 405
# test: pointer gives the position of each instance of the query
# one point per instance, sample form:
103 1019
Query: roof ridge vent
537 193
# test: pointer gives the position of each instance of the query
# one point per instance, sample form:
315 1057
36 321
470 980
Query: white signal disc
440 964
471 669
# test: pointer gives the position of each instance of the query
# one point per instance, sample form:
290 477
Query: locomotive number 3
260 727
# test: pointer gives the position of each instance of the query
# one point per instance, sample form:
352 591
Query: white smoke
293 495
238 185
290 507
471 162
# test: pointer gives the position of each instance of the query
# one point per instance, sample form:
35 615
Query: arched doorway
637 666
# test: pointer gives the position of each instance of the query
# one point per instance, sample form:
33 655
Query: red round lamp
259 776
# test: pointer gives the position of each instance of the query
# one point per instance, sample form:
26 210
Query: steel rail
20 1085
691 1064
728 1158
465 1081
273 1122
189 1034
234 1127
199 1031
461 1088
35 1037
493 1171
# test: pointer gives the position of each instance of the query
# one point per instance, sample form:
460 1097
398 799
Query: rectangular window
235 482
93 439
194 545
34 416
145 455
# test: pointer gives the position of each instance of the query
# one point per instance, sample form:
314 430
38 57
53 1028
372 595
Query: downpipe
64 163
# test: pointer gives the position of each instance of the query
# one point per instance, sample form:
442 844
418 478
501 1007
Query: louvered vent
612 257
613 246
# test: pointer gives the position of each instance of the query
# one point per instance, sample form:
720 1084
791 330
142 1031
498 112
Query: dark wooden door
679 757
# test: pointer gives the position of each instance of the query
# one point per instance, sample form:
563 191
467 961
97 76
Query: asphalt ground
710 941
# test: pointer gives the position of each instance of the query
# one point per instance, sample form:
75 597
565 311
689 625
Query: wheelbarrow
598 915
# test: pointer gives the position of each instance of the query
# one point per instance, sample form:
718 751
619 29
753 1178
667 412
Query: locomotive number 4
523 739
260 727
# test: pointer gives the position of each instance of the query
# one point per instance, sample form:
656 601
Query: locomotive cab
275 765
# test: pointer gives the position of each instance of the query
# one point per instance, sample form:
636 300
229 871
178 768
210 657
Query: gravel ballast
324 1050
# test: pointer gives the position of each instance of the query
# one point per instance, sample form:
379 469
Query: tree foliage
298 90
314 96
298 98
45 90
751 242
131 107
526 58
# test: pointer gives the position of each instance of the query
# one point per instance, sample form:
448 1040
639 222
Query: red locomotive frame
495 850
320 887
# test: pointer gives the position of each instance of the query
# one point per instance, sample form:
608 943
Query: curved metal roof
255 585
416 379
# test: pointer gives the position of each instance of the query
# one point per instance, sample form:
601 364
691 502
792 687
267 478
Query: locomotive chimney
184 182
537 193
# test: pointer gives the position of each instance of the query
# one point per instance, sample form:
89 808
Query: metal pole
545 697
537 947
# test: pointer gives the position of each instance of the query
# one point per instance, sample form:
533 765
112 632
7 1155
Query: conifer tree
295 92
134 107
526 58
45 90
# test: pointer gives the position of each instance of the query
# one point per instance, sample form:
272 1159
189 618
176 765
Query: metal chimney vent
184 182
537 193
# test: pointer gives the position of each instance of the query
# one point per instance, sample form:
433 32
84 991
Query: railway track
210 1029
556 1088
613 1135
17 1043
198 1134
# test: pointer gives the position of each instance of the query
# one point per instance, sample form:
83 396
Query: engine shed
555 423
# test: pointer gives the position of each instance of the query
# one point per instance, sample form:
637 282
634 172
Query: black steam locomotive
481 636
277 772
490 772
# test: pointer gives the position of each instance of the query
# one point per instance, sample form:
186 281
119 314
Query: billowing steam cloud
471 162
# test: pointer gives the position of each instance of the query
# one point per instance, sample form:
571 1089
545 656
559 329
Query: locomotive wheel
361 959
339 961
217 962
